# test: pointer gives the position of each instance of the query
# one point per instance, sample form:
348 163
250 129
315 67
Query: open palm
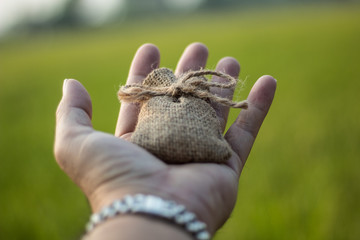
107 167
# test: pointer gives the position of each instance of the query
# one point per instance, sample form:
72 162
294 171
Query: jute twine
176 122
189 83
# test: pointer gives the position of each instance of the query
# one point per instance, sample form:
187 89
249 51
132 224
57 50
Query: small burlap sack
176 123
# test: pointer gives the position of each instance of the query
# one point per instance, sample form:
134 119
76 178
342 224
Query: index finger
146 59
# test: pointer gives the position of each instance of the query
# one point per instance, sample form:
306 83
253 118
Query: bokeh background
301 180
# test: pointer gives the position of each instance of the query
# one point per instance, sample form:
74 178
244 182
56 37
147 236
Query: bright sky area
12 12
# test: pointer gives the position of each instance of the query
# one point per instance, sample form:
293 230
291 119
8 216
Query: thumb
75 108
73 119
75 96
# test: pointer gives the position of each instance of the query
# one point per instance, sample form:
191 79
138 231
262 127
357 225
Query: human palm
107 167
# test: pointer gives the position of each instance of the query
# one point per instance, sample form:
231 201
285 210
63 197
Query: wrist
137 227
154 207
214 217
104 198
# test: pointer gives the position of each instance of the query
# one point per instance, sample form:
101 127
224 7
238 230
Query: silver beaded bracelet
153 206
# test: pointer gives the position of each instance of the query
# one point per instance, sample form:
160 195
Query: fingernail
64 86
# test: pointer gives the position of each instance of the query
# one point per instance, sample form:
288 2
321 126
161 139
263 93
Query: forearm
137 227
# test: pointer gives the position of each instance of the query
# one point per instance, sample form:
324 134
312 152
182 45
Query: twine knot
192 83
175 90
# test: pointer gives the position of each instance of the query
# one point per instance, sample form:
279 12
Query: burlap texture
179 129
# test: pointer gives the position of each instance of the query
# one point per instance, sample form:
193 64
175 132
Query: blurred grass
302 178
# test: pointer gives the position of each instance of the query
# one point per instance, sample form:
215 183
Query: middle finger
193 58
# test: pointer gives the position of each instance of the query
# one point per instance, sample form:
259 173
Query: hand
107 167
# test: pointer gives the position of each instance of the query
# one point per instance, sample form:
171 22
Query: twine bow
188 84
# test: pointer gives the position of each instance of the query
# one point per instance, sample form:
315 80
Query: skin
107 167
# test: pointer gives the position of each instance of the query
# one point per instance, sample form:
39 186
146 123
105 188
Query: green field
302 180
